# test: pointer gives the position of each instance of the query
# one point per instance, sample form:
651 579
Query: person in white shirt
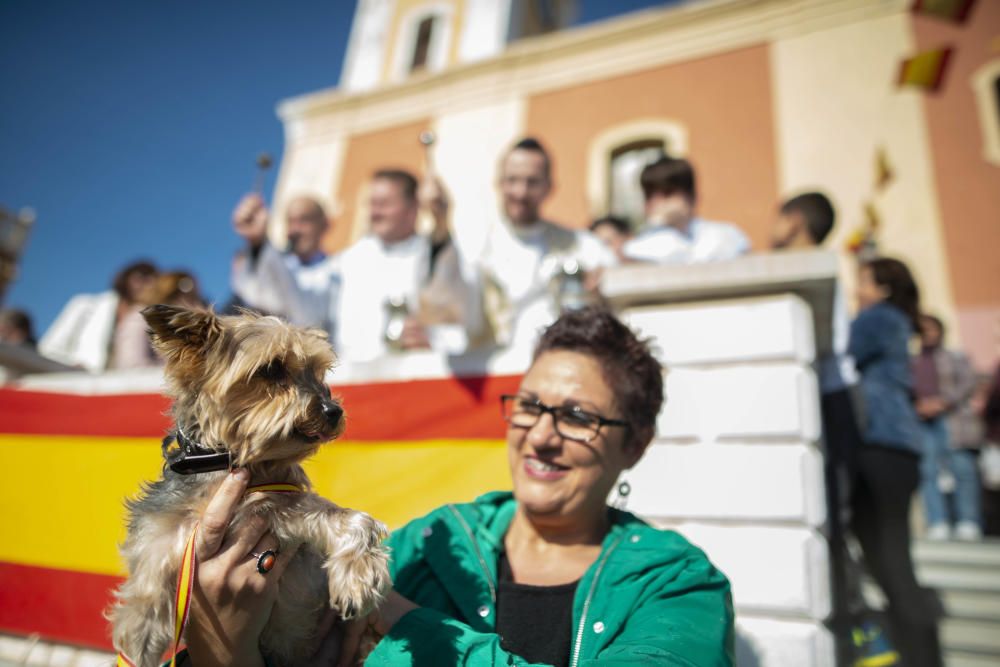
385 301
300 285
674 234
524 257
86 332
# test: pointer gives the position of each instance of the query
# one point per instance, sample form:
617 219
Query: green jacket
650 598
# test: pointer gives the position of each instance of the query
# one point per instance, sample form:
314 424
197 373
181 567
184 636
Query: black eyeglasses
571 422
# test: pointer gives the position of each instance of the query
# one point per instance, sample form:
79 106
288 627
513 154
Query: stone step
958 576
975 637
963 659
975 605
972 605
32 652
984 554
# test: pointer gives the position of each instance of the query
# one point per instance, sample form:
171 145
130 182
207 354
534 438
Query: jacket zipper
479 554
586 603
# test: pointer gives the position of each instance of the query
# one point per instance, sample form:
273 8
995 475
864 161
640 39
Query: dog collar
195 457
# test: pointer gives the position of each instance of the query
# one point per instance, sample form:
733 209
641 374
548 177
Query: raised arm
260 276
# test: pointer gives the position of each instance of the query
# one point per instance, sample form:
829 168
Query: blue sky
132 127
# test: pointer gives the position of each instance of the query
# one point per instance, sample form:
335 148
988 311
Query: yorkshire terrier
247 390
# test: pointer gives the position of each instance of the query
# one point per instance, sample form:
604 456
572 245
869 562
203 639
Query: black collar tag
192 457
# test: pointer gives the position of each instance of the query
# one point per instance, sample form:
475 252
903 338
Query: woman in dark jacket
887 465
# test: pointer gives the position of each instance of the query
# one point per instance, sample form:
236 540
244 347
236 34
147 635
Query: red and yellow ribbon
185 585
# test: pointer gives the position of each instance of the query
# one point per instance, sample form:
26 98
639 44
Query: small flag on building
925 70
949 10
873 220
883 170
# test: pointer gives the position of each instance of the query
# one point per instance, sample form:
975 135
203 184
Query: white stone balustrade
737 465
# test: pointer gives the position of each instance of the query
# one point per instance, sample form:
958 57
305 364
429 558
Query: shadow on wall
746 654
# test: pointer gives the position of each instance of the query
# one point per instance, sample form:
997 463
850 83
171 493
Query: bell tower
393 40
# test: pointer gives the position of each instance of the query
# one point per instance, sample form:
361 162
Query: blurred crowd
398 289
896 417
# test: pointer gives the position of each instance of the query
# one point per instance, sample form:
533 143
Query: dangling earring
624 488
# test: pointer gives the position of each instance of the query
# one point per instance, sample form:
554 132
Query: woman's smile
553 475
540 469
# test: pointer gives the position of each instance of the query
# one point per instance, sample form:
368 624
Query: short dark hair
895 276
668 175
628 366
533 145
120 282
620 225
20 320
817 211
935 320
406 181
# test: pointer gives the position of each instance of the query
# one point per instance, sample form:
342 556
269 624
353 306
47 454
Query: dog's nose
332 411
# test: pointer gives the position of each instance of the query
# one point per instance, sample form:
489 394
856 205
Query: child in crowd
888 461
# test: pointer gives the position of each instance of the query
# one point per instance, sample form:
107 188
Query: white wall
736 466
836 103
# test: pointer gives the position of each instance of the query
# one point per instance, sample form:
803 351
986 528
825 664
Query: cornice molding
628 44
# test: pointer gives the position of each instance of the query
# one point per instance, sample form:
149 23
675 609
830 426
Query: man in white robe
674 234
302 284
524 257
400 290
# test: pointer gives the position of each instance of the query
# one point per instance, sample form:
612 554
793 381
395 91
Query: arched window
986 86
425 30
625 197
423 40
617 157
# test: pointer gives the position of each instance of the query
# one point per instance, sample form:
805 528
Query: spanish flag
949 10
925 70
69 459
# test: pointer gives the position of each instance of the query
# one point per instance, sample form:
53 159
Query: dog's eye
274 371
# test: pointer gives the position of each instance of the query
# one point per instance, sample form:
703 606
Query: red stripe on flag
450 408
426 409
128 415
60 605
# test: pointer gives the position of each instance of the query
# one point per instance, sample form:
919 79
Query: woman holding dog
547 574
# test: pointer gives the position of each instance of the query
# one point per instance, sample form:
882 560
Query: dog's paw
358 573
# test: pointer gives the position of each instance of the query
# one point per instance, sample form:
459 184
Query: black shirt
534 622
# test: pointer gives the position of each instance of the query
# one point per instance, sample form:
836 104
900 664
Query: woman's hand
232 601
393 608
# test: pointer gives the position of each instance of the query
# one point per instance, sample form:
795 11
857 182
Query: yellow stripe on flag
63 495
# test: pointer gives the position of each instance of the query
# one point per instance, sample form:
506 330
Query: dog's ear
175 331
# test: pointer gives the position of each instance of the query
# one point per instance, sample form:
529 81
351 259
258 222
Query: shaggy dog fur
253 386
